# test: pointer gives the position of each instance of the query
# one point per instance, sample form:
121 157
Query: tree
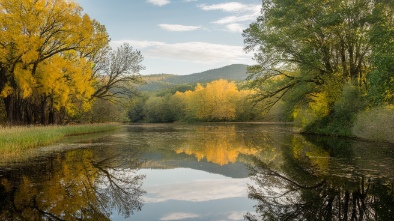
216 102
381 79
136 111
117 69
36 39
157 110
309 48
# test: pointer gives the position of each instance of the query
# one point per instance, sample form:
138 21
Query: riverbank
375 124
17 139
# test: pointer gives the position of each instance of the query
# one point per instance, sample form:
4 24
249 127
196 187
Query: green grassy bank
16 139
374 124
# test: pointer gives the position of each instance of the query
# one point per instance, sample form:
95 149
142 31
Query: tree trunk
9 108
43 110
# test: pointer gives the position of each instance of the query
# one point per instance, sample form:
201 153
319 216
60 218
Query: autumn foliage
219 100
51 56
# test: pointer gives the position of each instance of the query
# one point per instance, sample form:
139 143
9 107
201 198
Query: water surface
200 172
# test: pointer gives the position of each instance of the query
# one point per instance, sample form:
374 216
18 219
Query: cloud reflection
179 216
197 190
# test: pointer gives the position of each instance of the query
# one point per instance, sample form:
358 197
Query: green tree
381 78
157 110
309 47
136 110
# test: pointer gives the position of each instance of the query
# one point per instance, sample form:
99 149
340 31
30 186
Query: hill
234 72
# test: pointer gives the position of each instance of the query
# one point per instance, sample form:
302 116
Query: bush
376 124
341 119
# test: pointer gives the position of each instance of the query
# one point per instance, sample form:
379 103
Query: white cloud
232 19
241 12
229 7
179 216
197 52
235 27
159 2
236 216
190 0
179 28
197 191
137 44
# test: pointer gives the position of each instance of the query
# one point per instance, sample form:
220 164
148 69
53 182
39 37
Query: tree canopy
308 50
53 60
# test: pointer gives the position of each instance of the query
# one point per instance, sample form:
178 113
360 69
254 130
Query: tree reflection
76 185
219 144
304 189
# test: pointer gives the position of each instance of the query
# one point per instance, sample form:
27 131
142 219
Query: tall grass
376 124
16 139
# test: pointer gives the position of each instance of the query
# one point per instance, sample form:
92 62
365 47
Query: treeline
219 100
327 61
55 62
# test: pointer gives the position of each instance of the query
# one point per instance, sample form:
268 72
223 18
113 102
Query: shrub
376 124
342 116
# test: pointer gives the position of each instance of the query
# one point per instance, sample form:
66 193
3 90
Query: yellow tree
217 101
224 97
36 34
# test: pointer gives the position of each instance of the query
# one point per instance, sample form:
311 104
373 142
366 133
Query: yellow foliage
320 104
217 101
219 146
75 186
7 90
46 48
24 80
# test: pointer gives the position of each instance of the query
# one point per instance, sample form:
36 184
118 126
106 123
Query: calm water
200 172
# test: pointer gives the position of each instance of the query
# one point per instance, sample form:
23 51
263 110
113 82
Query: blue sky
178 36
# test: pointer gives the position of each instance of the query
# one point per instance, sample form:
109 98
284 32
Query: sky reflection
188 194
191 185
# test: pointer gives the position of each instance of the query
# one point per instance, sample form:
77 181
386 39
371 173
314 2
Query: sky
178 36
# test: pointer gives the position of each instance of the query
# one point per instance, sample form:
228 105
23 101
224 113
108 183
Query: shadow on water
80 184
323 178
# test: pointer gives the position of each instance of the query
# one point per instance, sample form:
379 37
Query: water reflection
200 172
83 184
217 144
320 182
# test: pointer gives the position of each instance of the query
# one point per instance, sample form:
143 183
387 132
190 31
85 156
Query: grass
17 139
376 124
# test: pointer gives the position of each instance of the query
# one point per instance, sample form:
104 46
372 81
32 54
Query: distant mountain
234 72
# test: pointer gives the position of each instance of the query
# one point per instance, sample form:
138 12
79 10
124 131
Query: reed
17 139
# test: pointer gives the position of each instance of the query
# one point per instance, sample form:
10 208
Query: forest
326 66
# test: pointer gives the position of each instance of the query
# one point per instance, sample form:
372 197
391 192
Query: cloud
241 12
197 52
229 7
179 28
159 2
179 216
236 215
190 0
197 191
137 44
232 19
235 27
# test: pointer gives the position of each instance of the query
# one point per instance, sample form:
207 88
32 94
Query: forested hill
234 72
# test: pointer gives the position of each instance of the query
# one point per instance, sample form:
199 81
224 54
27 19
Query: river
189 172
